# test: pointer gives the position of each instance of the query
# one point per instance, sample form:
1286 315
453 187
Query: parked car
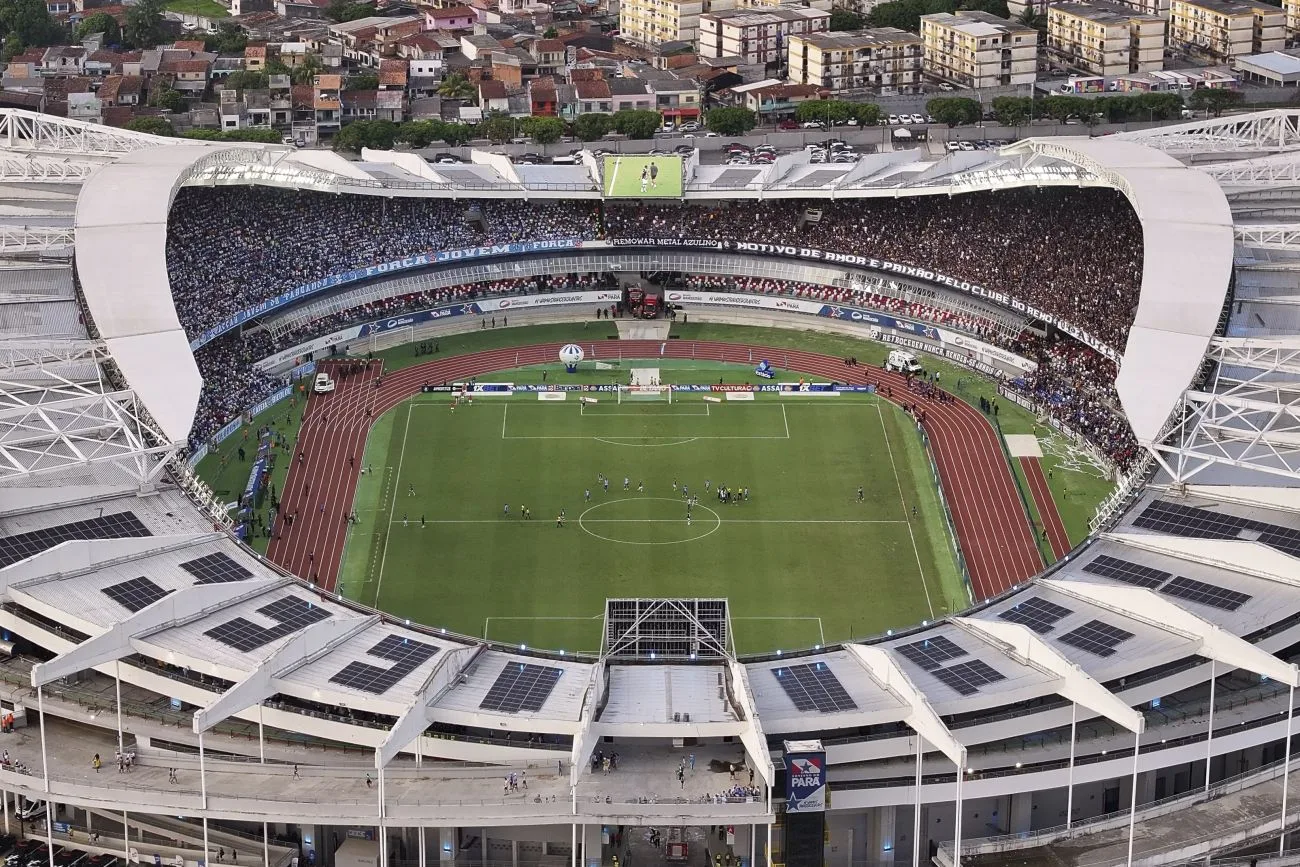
952 146
946 86
966 146
690 126
70 858
893 119
684 149
668 127
813 124
787 124
916 118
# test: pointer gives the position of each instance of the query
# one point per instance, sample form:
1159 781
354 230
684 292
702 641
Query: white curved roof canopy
121 232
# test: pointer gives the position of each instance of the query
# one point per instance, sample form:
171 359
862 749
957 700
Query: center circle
645 525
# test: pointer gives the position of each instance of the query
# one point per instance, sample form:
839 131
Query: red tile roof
492 89
592 89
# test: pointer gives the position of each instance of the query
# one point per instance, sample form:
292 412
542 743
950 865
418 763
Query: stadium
213 358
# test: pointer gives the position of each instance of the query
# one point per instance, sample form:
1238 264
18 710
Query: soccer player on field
640 486
605 484
586 495
861 498
625 483
505 511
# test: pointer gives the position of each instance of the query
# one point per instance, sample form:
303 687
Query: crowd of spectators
230 248
1073 253
1076 254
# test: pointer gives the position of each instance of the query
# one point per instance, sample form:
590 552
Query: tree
1061 108
954 110
1030 18
833 111
310 67
13 47
544 130
731 121
1012 110
152 125
247 80
1213 99
867 113
846 19
144 23
29 24
590 127
101 22
457 86
1156 106
551 33
230 38
347 10
637 123
499 127
364 81
377 134
163 96
454 134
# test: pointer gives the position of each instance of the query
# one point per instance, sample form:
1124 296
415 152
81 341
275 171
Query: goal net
401 336
643 393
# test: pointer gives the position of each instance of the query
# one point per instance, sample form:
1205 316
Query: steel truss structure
1251 423
1272 236
22 130
1278 170
67 422
1273 131
42 168
57 240
667 628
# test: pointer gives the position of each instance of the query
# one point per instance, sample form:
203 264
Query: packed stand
1074 253
230 248
231 385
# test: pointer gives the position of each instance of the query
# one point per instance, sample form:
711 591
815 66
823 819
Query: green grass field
796 560
208 8
643 177
824 580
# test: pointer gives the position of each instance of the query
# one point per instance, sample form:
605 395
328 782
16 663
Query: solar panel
1130 573
1096 638
521 686
814 687
135 594
405 655
216 569
1192 522
736 177
966 678
1206 594
290 614
1038 614
119 525
931 653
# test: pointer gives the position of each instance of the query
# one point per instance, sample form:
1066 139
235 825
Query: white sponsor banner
988 353
552 395
559 299
735 299
796 393
313 346
738 395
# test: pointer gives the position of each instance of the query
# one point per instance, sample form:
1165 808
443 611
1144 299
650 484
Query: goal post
400 336
645 393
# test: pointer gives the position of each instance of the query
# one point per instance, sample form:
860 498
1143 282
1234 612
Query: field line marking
392 506
647 437
613 175
505 413
667 521
903 503
785 418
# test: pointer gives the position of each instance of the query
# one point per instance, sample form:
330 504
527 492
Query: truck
651 304
902 361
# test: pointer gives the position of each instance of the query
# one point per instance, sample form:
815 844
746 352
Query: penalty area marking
639 440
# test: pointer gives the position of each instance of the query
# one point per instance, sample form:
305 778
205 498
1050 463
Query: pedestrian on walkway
295 773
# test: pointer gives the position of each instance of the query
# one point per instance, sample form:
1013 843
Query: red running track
1046 504
992 528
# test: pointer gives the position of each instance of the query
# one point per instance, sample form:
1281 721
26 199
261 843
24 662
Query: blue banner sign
853 314
409 263
805 777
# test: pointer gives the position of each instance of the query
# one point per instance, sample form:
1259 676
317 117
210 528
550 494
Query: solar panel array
135 594
405 655
1206 594
1126 571
931 653
119 525
814 687
1038 614
290 614
966 678
1096 637
216 569
521 686
1196 523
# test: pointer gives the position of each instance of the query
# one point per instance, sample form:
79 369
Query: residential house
245 7
280 92
102 62
566 101
479 47
314 9
224 67
654 22
593 96
58 7
255 58
118 90
757 37
367 40
232 113
677 99
63 60
330 54
976 49
189 77
774 101
85 106
883 59
630 94
22 77
1105 39
549 54
257 108
507 69
392 75
492 96
422 46
450 18
542 98
325 102
1221 30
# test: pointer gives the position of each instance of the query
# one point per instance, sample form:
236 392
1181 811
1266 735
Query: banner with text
805 782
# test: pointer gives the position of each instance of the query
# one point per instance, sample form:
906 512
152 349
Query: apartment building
758 36
1105 39
975 49
1220 30
1292 9
653 22
882 59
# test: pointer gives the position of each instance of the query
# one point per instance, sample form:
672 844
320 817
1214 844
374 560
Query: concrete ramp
642 329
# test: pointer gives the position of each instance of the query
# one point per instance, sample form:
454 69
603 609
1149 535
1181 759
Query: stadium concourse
1133 703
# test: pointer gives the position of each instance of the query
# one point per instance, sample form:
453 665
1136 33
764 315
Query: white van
902 361
324 385
31 809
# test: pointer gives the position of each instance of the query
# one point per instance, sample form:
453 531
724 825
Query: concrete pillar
592 852
1146 788
483 846
446 844
514 853
1022 813
881 844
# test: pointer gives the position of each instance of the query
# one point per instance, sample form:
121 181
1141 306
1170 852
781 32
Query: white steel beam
1271 131
44 168
1272 236
56 240
921 717
22 130
419 713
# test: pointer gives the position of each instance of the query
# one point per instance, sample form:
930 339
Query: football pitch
802 560
643 176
